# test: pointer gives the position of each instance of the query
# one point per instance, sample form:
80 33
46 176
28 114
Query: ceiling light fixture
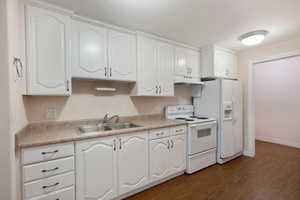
253 38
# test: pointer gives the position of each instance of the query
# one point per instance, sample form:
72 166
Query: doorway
276 100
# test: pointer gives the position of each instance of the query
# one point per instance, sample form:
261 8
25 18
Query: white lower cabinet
167 156
178 154
112 166
159 158
132 162
96 169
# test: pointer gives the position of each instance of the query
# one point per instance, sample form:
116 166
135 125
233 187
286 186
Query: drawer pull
49 152
50 186
158 134
172 144
179 130
50 170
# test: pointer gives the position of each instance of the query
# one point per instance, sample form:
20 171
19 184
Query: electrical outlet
51 114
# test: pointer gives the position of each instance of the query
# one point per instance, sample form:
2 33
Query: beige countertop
46 133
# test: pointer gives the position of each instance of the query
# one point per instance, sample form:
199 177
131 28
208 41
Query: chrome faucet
106 118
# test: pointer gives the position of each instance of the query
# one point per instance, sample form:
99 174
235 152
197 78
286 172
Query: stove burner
199 117
185 119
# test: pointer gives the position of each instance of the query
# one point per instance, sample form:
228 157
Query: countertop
47 133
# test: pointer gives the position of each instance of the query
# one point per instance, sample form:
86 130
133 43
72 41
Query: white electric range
201 137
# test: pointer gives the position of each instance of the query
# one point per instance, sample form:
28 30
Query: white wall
258 53
277 97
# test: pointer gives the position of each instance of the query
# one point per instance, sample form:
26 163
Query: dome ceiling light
253 38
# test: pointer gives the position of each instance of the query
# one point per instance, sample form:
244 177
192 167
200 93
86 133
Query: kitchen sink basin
106 127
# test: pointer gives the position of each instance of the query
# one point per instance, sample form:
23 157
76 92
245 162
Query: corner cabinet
155 68
106 168
48 44
187 65
218 62
100 53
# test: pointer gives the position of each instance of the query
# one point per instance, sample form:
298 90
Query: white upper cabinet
218 62
99 53
122 56
165 69
89 51
155 68
132 162
96 169
147 67
48 36
187 65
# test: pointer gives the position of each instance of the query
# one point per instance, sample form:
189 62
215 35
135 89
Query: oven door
202 137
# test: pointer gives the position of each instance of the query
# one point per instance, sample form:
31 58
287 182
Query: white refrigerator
222 99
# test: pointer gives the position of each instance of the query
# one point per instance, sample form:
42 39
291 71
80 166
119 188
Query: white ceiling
196 22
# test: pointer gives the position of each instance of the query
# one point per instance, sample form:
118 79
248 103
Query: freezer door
231 134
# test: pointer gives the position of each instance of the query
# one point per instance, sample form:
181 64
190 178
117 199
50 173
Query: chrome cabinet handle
50 170
50 186
105 71
161 133
68 86
172 144
110 71
49 152
160 89
179 130
115 145
156 89
168 144
120 147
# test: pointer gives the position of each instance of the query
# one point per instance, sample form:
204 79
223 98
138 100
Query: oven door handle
204 124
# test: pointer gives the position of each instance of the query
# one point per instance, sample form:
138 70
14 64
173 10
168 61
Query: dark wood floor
274 174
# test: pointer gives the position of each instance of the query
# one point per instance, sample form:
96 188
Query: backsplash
86 103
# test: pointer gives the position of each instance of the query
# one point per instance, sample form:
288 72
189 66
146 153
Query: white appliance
222 99
201 137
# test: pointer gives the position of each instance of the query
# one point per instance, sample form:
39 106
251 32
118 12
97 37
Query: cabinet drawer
65 194
46 169
178 130
48 185
159 133
45 153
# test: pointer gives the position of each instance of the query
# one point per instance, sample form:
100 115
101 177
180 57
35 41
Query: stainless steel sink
105 127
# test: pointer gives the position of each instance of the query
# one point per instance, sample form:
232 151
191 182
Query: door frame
251 98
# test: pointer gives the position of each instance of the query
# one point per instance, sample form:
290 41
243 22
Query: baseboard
148 186
249 154
279 141
225 160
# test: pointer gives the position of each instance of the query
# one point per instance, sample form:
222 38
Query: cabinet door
166 69
147 69
180 61
178 155
48 52
89 51
159 158
133 162
220 62
96 172
193 64
122 56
